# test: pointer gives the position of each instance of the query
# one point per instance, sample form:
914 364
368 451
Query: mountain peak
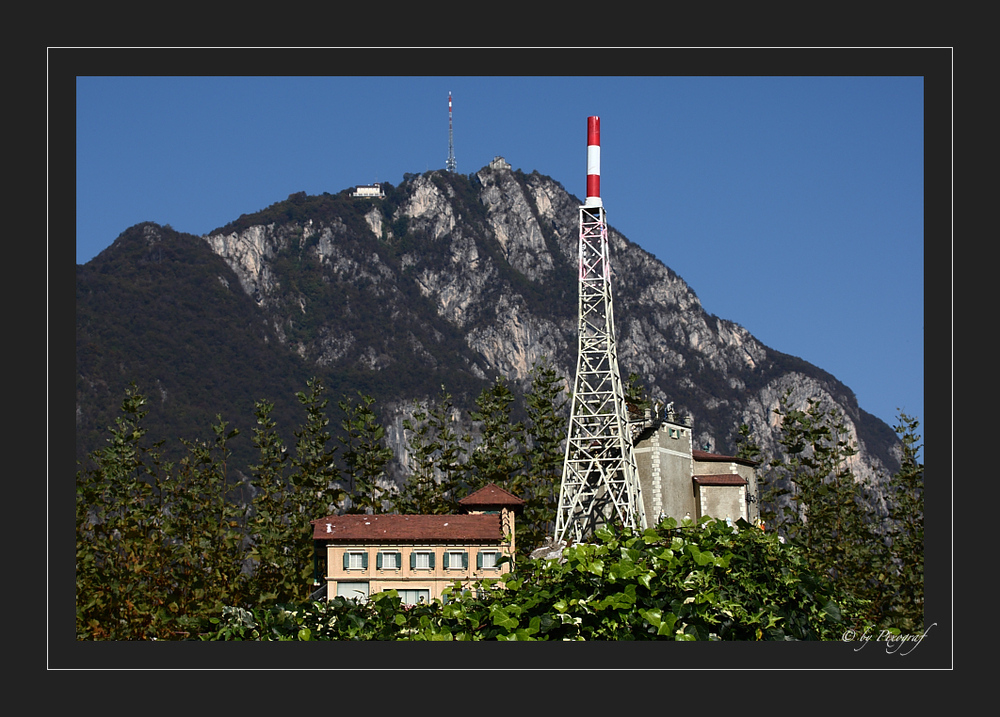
451 279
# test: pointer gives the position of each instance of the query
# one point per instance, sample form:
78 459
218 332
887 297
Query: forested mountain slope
449 280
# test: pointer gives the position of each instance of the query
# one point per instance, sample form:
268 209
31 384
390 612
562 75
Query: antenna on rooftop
450 165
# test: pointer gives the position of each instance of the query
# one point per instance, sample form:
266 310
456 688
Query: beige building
678 481
418 555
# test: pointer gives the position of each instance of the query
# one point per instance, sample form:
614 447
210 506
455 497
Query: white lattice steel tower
600 483
450 165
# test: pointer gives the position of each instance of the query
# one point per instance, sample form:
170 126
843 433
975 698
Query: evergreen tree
816 503
154 549
119 568
365 455
499 457
546 437
314 488
437 469
271 531
746 447
905 569
205 525
314 470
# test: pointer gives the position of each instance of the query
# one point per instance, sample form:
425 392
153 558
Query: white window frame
393 555
355 556
416 555
481 563
456 559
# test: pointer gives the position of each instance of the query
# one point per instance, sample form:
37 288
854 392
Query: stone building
499 163
678 481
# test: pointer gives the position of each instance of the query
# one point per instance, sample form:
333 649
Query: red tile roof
730 479
490 495
408 528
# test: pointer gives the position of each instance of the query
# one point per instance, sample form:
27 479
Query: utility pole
600 482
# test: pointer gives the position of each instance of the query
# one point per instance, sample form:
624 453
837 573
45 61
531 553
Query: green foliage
313 487
499 458
814 477
153 549
635 394
904 568
159 545
164 551
205 527
746 448
365 455
314 467
695 582
272 532
437 470
546 438
816 504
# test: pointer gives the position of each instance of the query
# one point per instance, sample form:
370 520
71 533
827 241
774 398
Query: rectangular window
422 560
355 560
356 591
414 597
387 560
456 560
487 559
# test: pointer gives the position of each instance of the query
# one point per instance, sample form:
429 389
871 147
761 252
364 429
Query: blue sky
792 205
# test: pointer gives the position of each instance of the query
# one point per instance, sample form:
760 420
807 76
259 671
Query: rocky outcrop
493 256
513 217
248 254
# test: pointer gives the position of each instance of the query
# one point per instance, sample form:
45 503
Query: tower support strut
600 482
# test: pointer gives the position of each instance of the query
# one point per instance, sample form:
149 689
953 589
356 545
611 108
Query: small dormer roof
491 496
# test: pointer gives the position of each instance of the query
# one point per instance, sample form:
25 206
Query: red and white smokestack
593 162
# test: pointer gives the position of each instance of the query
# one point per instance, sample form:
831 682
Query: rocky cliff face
450 280
490 261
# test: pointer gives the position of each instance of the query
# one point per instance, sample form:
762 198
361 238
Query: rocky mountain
448 280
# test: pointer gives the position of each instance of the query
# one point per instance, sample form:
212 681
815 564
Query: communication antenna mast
600 482
450 164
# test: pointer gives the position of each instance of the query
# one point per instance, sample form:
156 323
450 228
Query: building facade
419 556
677 481
373 191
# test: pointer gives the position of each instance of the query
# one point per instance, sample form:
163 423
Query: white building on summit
369 190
